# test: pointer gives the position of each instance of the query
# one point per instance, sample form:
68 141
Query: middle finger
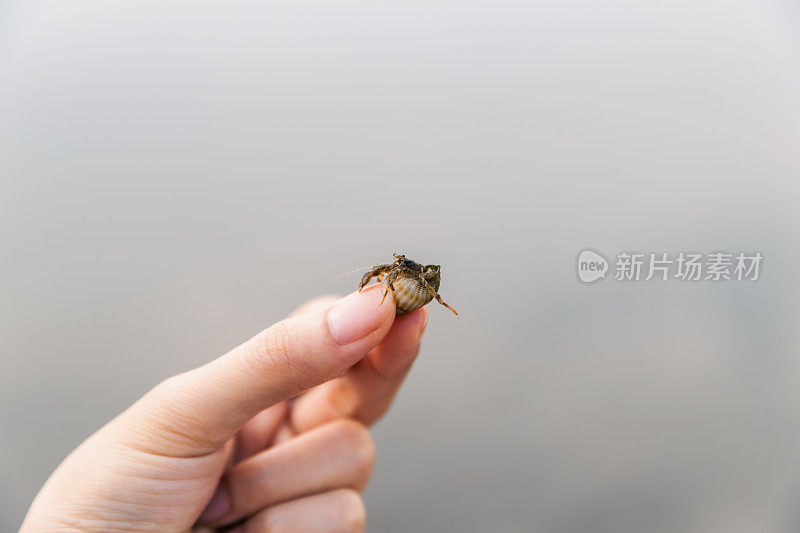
365 392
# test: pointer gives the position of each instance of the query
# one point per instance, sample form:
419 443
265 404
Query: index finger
198 411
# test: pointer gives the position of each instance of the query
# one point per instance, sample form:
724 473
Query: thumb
196 412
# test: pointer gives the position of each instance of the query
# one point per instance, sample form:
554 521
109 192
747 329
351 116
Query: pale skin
222 445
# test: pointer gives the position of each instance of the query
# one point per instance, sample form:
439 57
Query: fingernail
356 315
217 507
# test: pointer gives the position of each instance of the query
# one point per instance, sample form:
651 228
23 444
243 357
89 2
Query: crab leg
390 277
375 271
436 295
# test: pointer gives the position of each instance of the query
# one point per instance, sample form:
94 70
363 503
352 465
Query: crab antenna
343 274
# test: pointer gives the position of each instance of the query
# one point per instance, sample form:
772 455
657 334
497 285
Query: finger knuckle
359 444
280 342
168 386
161 399
162 420
351 510
274 351
343 401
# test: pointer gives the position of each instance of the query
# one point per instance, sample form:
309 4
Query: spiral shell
410 294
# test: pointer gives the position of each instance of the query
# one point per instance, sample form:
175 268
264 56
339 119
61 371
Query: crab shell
411 294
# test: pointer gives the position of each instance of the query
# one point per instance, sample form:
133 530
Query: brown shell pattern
410 294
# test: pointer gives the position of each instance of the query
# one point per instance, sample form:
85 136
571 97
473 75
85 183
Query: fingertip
217 507
358 315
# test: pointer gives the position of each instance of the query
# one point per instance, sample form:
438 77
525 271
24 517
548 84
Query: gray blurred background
175 176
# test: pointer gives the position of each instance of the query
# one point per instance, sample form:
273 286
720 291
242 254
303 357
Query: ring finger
340 510
336 455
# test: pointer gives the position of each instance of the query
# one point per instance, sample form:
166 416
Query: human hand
224 442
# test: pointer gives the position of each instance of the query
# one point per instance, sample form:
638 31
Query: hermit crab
412 284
